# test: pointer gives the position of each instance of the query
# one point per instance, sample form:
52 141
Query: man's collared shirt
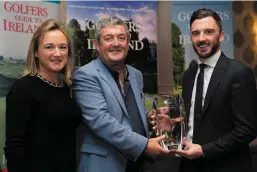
210 65
129 101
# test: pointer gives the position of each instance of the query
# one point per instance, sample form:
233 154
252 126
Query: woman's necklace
49 82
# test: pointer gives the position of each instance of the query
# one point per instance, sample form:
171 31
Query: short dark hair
203 13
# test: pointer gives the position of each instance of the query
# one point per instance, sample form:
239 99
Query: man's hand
165 123
151 118
254 142
162 119
253 145
153 147
192 151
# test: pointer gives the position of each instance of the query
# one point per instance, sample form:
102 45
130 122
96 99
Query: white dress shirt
210 64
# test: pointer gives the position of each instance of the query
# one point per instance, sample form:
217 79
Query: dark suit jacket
226 126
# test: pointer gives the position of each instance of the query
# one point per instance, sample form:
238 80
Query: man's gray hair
109 21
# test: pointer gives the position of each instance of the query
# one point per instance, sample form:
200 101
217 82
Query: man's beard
212 52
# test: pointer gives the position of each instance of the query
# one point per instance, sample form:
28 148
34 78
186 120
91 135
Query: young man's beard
212 52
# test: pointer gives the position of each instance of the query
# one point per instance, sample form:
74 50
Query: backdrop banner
183 52
140 17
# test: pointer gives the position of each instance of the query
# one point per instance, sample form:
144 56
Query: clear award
171 124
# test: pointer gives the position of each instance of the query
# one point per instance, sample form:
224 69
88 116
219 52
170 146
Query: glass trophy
172 124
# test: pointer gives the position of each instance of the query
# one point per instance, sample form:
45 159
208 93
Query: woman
41 117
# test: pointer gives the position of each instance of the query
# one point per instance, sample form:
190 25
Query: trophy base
173 146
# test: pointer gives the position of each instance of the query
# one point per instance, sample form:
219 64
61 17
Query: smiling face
113 44
206 37
52 52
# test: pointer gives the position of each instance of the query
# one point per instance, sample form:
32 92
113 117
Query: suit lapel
217 74
106 75
134 86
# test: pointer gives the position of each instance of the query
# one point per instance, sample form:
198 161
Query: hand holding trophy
170 121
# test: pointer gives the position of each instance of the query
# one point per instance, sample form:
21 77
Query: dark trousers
254 157
141 165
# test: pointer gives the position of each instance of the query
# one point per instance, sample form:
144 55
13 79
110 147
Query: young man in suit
109 94
219 97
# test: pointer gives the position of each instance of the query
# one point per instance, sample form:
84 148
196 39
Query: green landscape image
2 129
10 70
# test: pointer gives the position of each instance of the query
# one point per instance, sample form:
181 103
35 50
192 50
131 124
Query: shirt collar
212 61
115 73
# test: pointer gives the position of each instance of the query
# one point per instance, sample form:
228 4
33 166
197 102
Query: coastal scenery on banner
182 51
18 21
140 17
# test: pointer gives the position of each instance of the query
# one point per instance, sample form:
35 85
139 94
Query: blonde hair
32 65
